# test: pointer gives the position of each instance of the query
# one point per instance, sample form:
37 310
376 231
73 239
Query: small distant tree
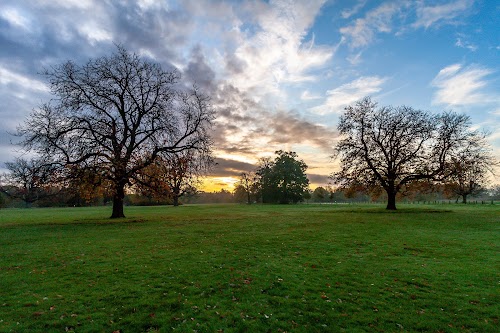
248 184
469 170
320 194
283 180
494 192
2 199
392 147
174 175
240 194
307 195
29 180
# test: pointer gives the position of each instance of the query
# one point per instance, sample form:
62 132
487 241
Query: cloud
355 59
274 52
431 15
249 129
463 43
349 93
15 18
379 20
347 13
308 96
395 17
318 179
198 71
8 77
458 85
230 168
289 128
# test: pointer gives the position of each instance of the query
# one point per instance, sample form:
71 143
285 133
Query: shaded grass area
237 268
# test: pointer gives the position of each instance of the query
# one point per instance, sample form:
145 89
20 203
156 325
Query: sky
279 73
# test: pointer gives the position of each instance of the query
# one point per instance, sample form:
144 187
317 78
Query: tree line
123 122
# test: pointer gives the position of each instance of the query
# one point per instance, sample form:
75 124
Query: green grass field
238 268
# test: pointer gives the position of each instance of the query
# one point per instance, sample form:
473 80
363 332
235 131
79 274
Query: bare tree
248 183
117 114
393 147
175 175
470 168
29 180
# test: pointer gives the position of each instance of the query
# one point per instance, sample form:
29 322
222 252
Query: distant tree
2 199
248 183
494 192
392 147
222 196
320 194
282 180
174 175
307 195
29 180
265 182
116 115
240 194
470 168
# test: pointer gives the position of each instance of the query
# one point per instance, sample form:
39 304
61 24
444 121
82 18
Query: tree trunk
391 199
118 201
464 198
248 197
176 194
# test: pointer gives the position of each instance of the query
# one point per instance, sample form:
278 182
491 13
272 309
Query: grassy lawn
238 268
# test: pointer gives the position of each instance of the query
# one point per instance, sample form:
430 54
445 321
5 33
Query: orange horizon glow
216 184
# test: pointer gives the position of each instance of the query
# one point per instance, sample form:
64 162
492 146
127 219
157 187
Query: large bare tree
393 147
116 114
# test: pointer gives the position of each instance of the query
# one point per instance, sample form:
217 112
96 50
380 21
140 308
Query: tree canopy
282 180
116 114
